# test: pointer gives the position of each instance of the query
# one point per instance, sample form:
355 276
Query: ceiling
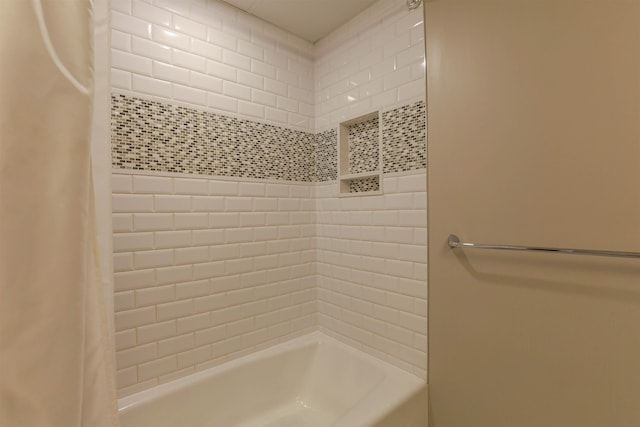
309 19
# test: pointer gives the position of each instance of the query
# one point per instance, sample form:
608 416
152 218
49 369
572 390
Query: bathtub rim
394 379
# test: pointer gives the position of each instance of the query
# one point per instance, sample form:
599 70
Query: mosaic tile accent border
364 146
327 155
404 143
155 136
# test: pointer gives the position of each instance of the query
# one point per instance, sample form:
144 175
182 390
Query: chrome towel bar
454 242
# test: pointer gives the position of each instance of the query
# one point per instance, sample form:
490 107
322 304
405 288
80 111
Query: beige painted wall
534 139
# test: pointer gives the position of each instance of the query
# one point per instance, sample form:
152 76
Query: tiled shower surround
229 235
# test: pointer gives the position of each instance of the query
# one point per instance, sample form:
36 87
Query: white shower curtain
56 350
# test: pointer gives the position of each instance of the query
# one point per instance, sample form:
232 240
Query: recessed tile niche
359 159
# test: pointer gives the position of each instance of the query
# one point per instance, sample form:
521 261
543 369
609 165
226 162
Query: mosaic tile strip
364 146
327 155
364 184
404 144
154 136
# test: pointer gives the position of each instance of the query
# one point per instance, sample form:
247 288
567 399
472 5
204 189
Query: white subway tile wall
213 56
372 255
374 61
206 269
372 251
210 268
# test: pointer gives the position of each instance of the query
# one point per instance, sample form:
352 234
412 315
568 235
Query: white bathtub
311 381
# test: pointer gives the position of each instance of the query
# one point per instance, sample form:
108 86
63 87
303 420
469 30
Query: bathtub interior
315 382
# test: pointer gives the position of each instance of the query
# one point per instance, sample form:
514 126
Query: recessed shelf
360 175
359 155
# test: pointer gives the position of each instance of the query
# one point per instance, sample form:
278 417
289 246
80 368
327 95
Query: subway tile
120 79
409 56
189 95
263 69
177 274
420 200
122 261
192 255
238 204
175 344
189 61
151 13
191 221
222 102
121 6
209 303
226 188
194 323
413 322
195 356
420 271
210 335
151 184
219 38
156 332
170 38
150 259
157 367
155 295
136 317
412 287
129 62
250 110
123 301
131 203
125 339
238 235
126 242
208 237
275 87
152 221
263 98
206 50
250 49
275 115
410 91
136 355
120 40
397 78
128 280
248 79
265 204
151 86
236 60
192 289
175 309
206 82
130 25
221 70
127 377
236 91
172 203
190 27
150 49
208 270
225 347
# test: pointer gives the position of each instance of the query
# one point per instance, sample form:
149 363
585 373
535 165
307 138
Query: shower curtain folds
56 366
